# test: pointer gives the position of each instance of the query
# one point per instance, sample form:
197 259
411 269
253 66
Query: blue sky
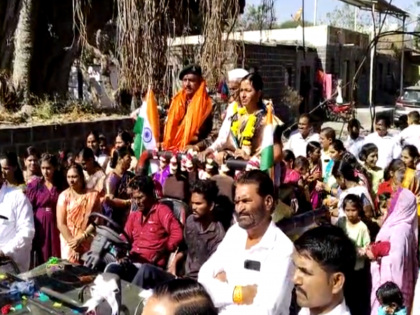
286 8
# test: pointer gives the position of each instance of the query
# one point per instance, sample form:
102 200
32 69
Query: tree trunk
41 37
9 14
24 47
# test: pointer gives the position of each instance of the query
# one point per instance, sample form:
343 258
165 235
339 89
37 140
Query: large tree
40 39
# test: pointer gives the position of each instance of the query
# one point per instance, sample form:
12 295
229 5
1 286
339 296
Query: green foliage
260 17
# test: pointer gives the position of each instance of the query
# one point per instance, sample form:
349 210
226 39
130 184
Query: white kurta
17 232
274 280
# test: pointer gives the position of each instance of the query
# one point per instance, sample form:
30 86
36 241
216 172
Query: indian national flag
146 127
267 152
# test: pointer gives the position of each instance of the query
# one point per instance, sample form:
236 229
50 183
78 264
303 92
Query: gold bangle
237 295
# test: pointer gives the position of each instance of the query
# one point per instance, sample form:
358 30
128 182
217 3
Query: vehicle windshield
411 95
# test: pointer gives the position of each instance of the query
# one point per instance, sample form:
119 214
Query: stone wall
52 138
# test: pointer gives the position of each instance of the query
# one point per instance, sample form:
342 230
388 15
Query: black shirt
200 244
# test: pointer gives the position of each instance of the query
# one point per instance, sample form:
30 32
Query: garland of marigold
248 133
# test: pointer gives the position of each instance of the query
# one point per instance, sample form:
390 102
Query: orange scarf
184 123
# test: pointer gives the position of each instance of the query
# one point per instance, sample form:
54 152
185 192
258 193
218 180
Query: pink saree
400 266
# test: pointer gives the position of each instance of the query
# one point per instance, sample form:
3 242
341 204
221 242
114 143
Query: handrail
146 156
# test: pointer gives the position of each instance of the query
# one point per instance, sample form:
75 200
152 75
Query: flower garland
249 130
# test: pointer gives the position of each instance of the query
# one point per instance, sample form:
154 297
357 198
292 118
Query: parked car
407 102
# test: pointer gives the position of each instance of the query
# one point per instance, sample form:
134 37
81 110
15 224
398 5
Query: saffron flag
267 152
146 128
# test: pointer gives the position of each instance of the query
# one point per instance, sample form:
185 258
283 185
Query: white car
407 102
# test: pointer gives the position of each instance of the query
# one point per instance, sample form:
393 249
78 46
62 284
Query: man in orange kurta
190 118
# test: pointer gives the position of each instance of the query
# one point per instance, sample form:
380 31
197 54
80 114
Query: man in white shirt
354 142
324 259
411 134
234 81
16 226
388 145
300 138
251 271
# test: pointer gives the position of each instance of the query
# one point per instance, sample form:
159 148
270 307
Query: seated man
17 228
153 231
251 271
202 234
191 122
234 76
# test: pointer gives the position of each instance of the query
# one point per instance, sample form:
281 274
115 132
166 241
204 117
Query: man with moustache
234 82
202 235
299 139
389 147
17 227
191 122
251 271
324 261
153 231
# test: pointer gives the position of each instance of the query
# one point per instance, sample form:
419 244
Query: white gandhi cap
237 74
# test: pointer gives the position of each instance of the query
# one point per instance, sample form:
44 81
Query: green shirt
359 234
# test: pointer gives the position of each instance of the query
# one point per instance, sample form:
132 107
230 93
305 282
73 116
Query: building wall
52 138
343 62
280 66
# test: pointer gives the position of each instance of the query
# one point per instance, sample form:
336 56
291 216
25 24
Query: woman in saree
398 174
12 173
94 175
400 266
248 122
117 201
410 156
74 206
32 170
43 194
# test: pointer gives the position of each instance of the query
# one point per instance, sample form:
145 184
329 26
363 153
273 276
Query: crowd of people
364 262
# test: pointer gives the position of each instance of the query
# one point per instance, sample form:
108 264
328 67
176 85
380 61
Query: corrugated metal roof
381 6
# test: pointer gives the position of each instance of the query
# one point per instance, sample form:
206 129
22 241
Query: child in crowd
369 155
298 174
391 299
313 153
355 228
326 138
298 177
289 159
358 232
382 206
